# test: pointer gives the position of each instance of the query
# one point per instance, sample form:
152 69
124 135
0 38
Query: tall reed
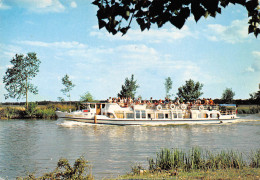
197 159
255 159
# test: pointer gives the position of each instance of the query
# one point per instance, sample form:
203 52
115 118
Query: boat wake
68 123
250 117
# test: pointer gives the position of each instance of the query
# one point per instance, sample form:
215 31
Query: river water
35 146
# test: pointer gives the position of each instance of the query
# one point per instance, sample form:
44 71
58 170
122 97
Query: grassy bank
197 163
248 109
175 164
34 111
245 173
48 111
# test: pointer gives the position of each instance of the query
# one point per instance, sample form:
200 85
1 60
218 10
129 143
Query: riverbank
48 111
248 109
174 164
34 111
245 173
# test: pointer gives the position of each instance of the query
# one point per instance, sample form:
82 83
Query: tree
87 97
17 78
190 91
61 99
255 96
228 95
117 15
168 86
68 86
129 88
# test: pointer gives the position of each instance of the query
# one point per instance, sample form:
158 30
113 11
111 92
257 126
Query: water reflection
17 145
36 146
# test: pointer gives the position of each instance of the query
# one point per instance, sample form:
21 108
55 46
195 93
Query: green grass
197 163
34 111
245 173
248 109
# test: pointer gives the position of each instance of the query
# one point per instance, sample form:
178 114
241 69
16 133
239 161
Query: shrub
10 112
64 170
31 110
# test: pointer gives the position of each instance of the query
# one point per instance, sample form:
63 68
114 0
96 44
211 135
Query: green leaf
101 24
250 29
197 11
177 21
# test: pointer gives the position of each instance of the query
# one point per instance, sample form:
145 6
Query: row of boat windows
144 115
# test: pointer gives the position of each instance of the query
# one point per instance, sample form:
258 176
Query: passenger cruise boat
151 114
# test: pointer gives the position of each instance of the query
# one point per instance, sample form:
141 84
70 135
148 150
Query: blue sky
217 52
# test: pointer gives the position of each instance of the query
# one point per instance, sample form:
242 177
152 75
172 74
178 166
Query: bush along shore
199 164
81 170
33 111
47 111
173 164
248 109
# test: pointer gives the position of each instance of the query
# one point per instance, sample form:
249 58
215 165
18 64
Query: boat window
167 116
92 106
179 115
160 115
149 116
130 115
137 114
120 115
143 115
174 115
110 115
98 106
103 106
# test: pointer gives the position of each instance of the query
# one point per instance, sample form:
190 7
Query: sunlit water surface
35 146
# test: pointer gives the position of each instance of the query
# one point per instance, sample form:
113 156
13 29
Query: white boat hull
153 122
113 114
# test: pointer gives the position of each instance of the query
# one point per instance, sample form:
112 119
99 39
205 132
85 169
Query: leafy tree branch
17 78
117 15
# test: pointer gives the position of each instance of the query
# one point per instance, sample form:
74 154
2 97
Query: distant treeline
40 103
239 101
216 101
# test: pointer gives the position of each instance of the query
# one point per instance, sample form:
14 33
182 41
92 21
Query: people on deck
126 102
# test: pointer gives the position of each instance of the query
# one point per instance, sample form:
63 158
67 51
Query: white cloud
256 54
62 44
236 32
250 69
255 66
3 5
39 6
73 4
153 35
8 51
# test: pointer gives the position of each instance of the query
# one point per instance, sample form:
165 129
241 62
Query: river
35 146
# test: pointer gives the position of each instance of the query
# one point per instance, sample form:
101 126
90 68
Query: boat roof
230 105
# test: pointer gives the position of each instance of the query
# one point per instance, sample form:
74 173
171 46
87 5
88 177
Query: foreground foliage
172 164
65 171
117 15
199 164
